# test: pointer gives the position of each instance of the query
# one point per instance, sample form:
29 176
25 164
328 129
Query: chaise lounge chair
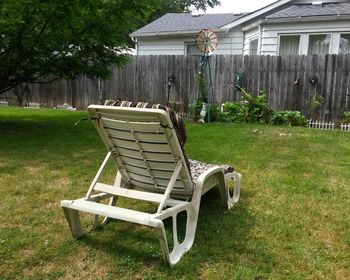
152 166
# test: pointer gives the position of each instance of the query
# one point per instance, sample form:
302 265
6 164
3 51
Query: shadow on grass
223 236
34 137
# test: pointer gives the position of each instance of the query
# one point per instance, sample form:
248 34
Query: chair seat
198 168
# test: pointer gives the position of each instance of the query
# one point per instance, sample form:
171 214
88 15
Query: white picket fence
345 127
321 125
4 103
328 125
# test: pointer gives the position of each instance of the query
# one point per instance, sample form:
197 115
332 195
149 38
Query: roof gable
185 22
257 13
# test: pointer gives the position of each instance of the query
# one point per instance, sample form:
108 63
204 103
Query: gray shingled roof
308 10
173 22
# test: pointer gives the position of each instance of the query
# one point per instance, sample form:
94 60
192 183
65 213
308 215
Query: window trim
257 46
186 44
289 34
342 33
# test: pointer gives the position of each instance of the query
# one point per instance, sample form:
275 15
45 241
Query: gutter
295 19
168 33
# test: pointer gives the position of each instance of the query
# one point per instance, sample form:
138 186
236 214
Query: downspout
260 39
134 40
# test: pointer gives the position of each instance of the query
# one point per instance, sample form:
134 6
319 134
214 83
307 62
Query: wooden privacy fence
291 82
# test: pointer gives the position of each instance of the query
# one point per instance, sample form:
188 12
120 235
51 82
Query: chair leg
73 219
233 199
179 249
118 182
112 202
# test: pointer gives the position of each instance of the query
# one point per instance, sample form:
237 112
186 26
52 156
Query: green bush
195 109
347 115
344 119
213 111
293 118
250 109
231 112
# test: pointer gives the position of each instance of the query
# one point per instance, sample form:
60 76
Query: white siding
162 46
270 33
231 42
228 43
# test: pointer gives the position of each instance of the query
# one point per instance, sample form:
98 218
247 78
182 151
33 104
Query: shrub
347 116
232 112
249 109
344 119
213 111
195 109
293 118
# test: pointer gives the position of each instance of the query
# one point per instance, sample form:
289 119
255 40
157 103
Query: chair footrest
139 195
112 212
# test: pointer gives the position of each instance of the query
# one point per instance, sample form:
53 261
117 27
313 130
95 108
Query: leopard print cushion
198 168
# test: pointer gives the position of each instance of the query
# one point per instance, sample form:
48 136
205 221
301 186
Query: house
281 28
175 33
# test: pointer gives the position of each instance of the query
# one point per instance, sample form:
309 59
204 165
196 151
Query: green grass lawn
292 221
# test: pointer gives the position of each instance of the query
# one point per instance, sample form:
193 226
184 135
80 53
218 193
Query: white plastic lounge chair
152 167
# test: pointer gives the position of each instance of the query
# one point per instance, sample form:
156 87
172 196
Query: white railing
3 103
33 105
345 127
321 125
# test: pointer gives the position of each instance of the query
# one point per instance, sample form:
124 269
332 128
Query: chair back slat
143 137
144 145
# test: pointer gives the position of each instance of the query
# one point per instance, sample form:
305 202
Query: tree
68 38
178 6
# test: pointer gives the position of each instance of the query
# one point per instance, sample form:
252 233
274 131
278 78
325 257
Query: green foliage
195 109
250 109
231 112
293 118
256 110
69 38
213 111
316 103
343 120
202 86
178 6
347 115
64 38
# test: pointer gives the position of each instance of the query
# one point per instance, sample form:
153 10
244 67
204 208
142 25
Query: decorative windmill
206 42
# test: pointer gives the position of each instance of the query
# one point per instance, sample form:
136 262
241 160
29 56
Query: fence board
286 79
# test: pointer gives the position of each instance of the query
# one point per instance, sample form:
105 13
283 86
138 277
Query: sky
239 6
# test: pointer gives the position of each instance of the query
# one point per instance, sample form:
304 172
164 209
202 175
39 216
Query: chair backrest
145 147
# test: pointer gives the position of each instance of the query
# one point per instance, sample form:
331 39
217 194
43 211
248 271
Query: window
289 44
191 49
344 44
253 47
319 44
